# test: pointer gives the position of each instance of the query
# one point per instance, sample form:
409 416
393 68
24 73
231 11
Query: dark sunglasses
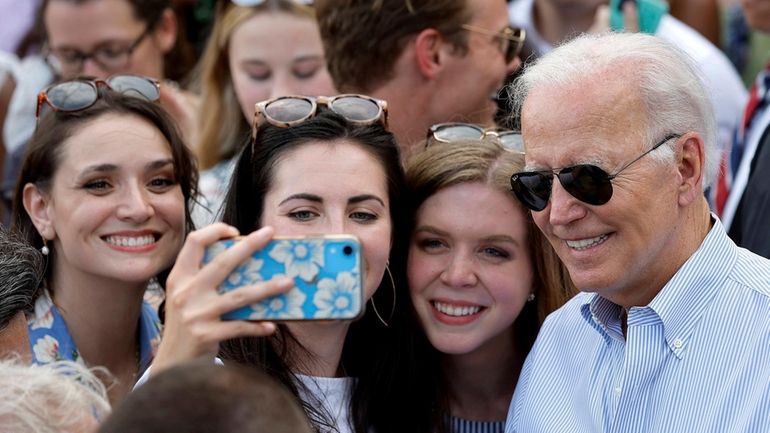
81 93
450 132
510 39
586 182
287 111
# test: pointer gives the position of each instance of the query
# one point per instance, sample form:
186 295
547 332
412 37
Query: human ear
690 165
165 31
428 52
37 205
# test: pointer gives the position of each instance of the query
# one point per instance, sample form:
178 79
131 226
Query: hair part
664 76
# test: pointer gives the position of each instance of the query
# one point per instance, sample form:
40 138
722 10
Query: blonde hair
52 398
442 165
222 127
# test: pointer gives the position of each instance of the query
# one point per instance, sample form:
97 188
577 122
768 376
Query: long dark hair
55 127
252 179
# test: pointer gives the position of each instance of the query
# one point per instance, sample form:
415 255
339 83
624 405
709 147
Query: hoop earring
44 249
393 307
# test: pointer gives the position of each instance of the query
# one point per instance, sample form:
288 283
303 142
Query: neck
556 23
324 342
102 316
481 382
692 229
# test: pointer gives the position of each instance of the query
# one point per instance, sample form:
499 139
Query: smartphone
327 271
650 13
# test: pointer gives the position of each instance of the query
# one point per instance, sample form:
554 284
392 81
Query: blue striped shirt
696 359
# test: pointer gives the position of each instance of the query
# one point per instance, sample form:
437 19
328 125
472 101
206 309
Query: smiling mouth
583 244
456 311
131 241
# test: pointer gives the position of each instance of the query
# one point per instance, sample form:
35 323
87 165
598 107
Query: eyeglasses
587 183
79 94
287 111
111 56
510 39
449 132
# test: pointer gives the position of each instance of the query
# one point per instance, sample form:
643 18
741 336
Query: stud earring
531 297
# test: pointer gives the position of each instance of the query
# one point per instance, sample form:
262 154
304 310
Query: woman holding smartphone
481 277
103 193
313 166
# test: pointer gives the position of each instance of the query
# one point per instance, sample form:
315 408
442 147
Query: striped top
696 359
459 425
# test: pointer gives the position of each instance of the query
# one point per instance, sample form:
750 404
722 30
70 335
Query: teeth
586 243
450 310
126 241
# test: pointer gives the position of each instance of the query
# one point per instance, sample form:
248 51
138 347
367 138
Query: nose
135 205
563 207
460 271
282 86
91 68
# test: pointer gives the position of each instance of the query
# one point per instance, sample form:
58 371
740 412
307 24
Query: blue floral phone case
327 272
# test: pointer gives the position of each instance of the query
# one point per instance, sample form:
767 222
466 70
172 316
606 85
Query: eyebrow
315 198
107 167
493 238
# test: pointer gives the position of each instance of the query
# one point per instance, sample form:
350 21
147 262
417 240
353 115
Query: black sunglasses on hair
586 182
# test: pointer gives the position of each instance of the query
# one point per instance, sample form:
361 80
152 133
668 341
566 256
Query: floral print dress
50 339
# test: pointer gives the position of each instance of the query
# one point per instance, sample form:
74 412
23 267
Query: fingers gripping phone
650 13
327 272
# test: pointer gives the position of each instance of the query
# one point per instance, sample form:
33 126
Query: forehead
115 139
591 121
489 14
258 34
89 21
339 167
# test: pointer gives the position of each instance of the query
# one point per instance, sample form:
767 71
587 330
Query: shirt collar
682 301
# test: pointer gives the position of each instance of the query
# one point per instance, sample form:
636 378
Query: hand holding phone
650 12
327 273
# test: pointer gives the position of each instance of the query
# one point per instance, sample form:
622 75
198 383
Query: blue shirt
696 359
50 339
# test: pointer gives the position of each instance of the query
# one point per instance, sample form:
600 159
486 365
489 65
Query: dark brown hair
364 38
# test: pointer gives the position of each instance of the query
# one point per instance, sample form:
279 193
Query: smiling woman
104 192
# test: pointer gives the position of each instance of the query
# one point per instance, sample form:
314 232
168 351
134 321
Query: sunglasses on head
586 182
81 93
450 132
510 39
287 111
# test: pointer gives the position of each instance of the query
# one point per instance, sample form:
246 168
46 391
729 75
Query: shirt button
617 390
678 343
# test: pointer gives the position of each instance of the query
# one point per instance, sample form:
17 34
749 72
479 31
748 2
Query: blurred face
277 54
484 61
333 188
107 27
757 13
626 247
469 269
115 209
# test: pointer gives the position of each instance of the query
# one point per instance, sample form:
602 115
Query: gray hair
669 84
62 396
21 271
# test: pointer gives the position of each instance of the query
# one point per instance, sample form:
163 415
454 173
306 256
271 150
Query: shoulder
752 273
